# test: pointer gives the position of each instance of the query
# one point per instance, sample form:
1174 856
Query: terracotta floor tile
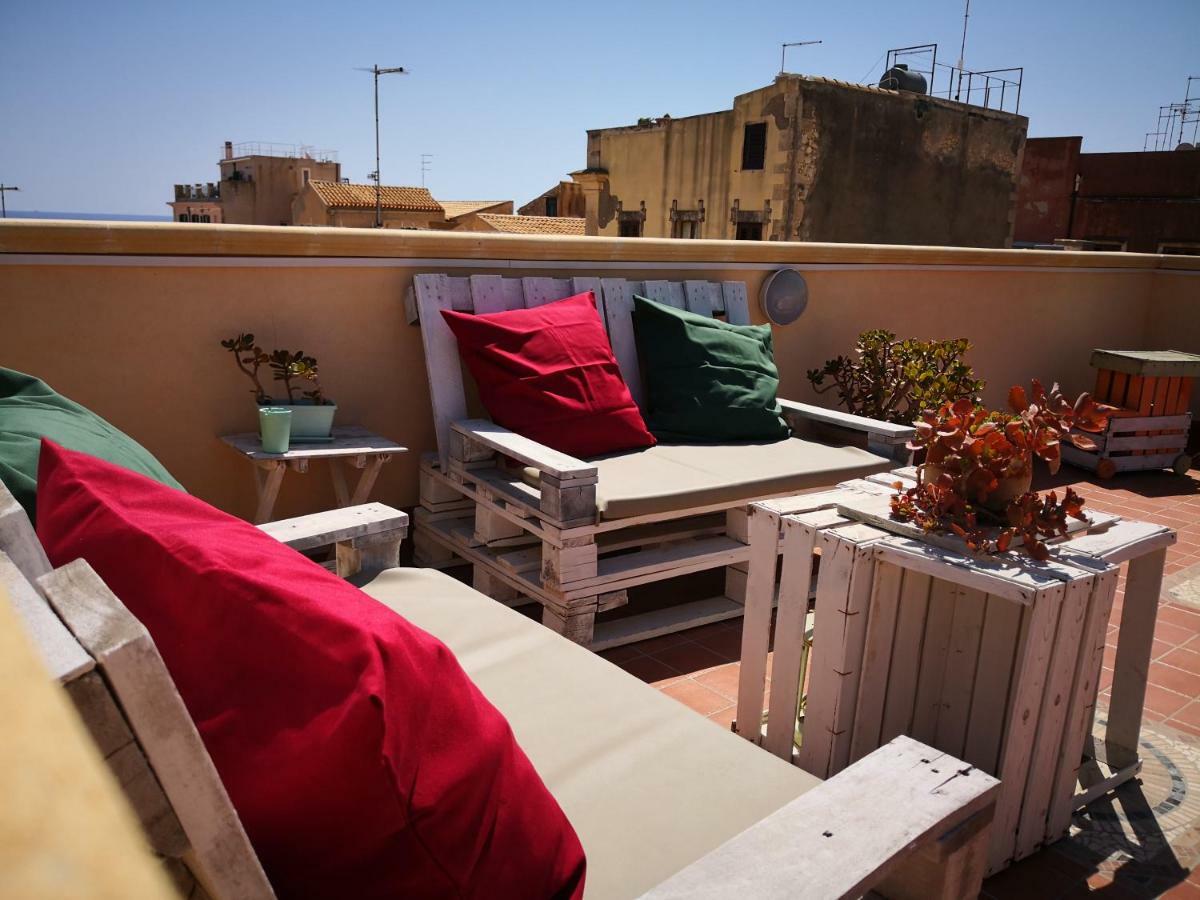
1183 891
1160 648
688 658
1106 677
1183 726
1177 615
1178 680
620 654
1173 634
648 669
653 645
696 696
1189 715
724 717
727 643
1182 658
1162 702
724 680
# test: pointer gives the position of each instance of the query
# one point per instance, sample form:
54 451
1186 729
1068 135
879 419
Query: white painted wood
628 570
997 658
665 620
737 308
1002 576
320 529
884 431
935 651
1122 542
701 297
523 449
446 391
65 660
224 860
791 635
488 294
877 657
1035 809
666 292
1174 442
1028 685
540 291
1149 423
763 531
18 538
905 668
618 315
961 664
842 838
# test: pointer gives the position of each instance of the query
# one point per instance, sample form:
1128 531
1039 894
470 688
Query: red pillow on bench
362 760
549 374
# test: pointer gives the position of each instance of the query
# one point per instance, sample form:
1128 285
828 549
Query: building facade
811 159
332 203
259 183
1143 202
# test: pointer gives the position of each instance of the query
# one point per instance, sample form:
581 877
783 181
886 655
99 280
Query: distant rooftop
456 208
534 224
362 196
269 148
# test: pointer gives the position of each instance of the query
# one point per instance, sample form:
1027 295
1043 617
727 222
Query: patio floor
1142 842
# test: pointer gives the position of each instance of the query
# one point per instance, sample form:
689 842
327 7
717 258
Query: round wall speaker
784 296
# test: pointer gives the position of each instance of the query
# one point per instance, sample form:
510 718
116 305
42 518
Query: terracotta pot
1009 488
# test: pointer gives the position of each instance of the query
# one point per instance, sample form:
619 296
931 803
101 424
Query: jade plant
285 365
974 457
894 380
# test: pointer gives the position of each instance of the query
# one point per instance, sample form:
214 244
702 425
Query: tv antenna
426 165
783 51
377 71
3 208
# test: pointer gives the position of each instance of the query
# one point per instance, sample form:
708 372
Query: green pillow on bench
706 380
31 410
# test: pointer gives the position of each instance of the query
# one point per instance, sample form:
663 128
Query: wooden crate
994 660
1152 390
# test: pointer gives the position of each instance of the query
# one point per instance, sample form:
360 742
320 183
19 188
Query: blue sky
103 106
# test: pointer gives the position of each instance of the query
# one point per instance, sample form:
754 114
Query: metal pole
783 50
3 205
378 174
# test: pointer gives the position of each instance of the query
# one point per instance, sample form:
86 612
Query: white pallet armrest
520 448
334 525
884 432
849 834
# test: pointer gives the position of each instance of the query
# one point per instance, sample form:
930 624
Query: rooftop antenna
377 71
426 165
3 208
962 52
783 51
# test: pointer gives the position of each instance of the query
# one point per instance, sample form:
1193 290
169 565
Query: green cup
275 427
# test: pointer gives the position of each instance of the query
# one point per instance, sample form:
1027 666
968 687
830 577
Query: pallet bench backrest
110 668
494 293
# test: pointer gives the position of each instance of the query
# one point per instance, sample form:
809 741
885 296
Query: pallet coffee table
995 660
352 445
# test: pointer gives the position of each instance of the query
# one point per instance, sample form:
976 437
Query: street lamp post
377 71
3 207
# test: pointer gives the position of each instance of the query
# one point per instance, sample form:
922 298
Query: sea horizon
101 217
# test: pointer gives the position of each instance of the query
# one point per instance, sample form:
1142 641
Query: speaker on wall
784 296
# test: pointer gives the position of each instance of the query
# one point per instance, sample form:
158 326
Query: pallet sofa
666 805
575 535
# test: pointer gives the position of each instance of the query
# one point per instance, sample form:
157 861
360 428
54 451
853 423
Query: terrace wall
126 319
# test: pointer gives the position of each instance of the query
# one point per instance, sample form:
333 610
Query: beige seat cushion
649 785
670 477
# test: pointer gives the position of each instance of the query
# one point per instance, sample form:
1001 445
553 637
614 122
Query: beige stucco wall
266 197
127 318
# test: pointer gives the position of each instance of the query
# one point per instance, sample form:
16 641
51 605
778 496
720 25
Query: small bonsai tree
285 366
973 450
894 380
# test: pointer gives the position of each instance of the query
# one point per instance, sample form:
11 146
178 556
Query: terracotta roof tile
534 224
362 196
456 208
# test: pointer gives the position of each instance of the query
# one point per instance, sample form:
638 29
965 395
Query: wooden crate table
1152 390
995 660
353 446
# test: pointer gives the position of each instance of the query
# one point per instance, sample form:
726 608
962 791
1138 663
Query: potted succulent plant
979 468
312 411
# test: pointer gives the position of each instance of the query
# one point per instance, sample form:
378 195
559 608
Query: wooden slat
1028 686
18 538
997 657
1183 404
701 297
737 309
934 653
446 391
618 312
540 291
1161 391
1133 392
590 283
791 625
1162 423
1116 392
331 526
1104 385
521 448
1031 826
488 294
762 529
843 837
665 620
905 670
961 670
59 650
884 431
124 651
877 658
670 293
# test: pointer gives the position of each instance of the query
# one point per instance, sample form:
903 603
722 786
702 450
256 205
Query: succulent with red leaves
970 451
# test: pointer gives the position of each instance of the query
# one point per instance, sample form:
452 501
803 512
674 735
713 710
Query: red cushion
549 373
361 758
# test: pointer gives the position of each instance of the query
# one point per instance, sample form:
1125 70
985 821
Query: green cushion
31 410
706 380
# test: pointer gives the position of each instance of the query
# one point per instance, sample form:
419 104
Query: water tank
899 78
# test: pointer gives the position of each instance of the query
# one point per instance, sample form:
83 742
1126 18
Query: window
754 146
685 228
630 227
749 231
304 176
195 217
183 217
552 206
204 217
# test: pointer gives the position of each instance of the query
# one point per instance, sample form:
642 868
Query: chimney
229 149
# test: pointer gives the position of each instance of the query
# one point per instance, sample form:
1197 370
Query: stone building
811 159
332 203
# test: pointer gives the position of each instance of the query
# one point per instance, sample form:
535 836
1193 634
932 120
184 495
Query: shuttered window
754 146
